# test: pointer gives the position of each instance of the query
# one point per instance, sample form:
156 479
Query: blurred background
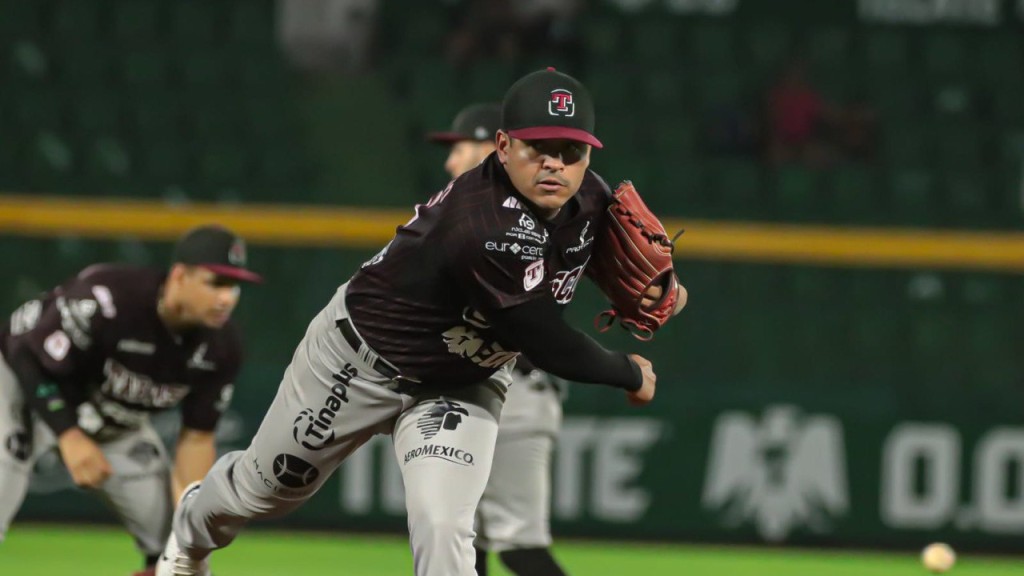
849 371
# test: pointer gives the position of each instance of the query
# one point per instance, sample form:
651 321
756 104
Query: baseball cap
217 249
476 122
549 104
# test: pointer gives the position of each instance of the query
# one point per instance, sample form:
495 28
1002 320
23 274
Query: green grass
44 550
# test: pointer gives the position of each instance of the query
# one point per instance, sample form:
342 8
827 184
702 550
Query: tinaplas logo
786 471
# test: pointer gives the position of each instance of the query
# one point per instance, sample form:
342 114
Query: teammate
512 518
82 366
421 341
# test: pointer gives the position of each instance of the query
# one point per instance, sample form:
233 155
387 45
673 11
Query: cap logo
561 103
480 133
236 254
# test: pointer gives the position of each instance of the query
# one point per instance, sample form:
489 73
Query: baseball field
45 550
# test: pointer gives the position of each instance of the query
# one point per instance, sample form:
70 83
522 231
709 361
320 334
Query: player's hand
646 392
83 458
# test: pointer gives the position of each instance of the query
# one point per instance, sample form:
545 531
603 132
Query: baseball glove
633 254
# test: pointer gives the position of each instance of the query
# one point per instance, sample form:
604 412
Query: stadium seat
998 60
854 197
85 65
713 47
603 36
655 40
958 144
737 188
827 49
137 21
886 50
77 20
798 193
945 54
769 48
145 69
194 24
967 197
912 196
96 111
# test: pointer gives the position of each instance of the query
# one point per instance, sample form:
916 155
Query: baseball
938 557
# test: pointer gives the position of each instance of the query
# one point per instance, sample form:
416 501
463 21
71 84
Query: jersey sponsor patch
526 229
57 345
75 319
523 251
533 276
584 240
513 203
26 317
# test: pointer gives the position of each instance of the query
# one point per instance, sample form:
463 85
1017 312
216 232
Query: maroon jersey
98 338
422 302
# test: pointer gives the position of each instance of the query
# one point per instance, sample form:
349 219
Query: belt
383 367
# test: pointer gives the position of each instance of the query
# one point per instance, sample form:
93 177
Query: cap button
551 68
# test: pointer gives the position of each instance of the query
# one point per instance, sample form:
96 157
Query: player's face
547 172
208 298
466 155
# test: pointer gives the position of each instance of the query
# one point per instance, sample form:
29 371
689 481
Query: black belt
383 367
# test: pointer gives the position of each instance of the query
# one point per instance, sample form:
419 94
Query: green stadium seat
886 50
204 69
21 19
37 109
213 119
106 166
145 69
263 75
194 23
812 285
28 63
671 137
952 98
968 196
1000 58
96 111
827 48
76 19
905 143
51 163
945 54
1006 103
912 196
1012 148
85 65
654 40
959 144
267 119
798 194
611 83
714 47
603 36
769 48
737 188
164 163
137 21
896 99
156 117
854 196
664 89
678 188
223 163
1010 196
488 81
721 89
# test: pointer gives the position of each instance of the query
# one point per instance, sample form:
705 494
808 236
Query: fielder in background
83 366
513 517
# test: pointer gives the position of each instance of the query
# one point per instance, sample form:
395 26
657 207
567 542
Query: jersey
422 302
99 339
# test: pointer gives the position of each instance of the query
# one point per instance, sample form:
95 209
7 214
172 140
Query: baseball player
512 518
83 365
420 343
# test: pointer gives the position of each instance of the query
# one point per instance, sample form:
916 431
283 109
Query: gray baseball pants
331 401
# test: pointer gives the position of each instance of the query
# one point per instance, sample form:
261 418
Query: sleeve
497 265
203 406
54 342
538 330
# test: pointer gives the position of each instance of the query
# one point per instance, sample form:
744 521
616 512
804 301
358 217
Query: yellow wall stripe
368 228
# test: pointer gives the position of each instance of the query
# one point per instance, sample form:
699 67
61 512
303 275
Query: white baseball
938 557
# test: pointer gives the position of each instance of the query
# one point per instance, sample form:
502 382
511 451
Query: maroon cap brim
447 137
552 132
235 272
